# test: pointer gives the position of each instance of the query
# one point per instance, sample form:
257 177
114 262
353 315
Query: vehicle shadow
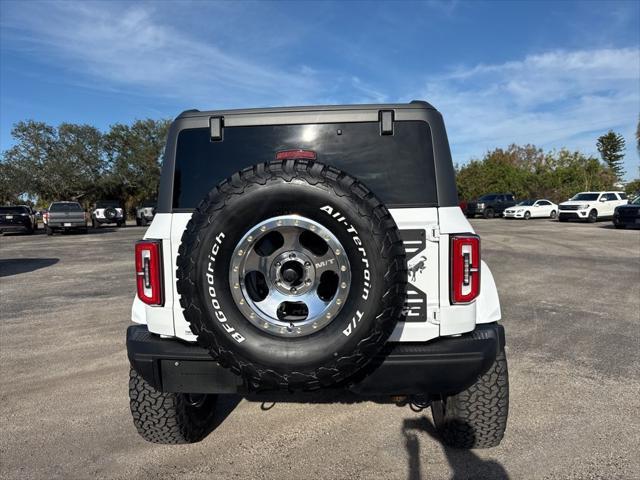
611 226
465 464
15 266
225 404
97 231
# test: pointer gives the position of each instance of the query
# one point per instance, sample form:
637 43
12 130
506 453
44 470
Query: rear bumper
8 227
106 220
66 225
443 366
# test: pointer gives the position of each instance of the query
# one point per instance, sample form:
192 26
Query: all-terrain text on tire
313 248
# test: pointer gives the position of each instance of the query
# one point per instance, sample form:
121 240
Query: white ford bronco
313 251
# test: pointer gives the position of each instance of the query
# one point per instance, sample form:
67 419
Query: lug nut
307 264
293 290
308 281
292 255
343 285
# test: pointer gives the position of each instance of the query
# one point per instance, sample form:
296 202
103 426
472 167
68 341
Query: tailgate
66 217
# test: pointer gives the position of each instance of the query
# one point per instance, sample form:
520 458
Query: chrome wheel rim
289 276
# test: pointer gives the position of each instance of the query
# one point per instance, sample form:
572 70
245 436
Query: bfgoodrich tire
476 417
170 418
332 202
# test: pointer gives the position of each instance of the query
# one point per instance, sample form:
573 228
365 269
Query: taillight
465 268
149 271
296 154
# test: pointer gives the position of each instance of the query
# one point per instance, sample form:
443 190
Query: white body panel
428 312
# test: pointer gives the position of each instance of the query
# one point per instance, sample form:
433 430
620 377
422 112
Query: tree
611 146
53 163
528 172
133 154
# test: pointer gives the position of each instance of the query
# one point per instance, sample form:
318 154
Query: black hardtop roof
413 105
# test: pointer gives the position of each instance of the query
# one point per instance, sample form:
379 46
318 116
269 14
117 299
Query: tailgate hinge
386 119
433 233
216 124
433 316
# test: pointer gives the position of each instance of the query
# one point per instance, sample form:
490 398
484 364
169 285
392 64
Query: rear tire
527 215
476 417
553 214
592 217
489 213
169 418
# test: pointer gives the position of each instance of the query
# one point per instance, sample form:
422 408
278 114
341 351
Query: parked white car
527 209
591 206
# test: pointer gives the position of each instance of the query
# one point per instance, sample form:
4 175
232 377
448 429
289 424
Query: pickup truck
65 216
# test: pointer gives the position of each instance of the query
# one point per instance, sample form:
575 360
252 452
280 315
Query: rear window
65 207
13 210
399 168
107 204
622 195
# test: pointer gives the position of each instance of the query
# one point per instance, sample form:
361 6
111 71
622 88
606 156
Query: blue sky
549 73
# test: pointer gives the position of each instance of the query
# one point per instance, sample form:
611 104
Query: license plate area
67 224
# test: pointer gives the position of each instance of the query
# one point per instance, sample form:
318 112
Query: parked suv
490 205
18 218
627 215
108 212
145 213
65 216
591 206
269 271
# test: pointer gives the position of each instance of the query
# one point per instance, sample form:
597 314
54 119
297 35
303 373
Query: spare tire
110 213
292 274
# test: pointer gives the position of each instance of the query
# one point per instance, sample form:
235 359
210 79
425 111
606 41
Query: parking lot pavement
571 305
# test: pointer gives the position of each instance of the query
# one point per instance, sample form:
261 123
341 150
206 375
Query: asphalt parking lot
570 295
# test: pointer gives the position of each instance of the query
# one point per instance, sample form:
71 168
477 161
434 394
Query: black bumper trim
442 366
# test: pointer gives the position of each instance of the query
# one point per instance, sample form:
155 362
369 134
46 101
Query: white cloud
552 99
128 47
558 98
